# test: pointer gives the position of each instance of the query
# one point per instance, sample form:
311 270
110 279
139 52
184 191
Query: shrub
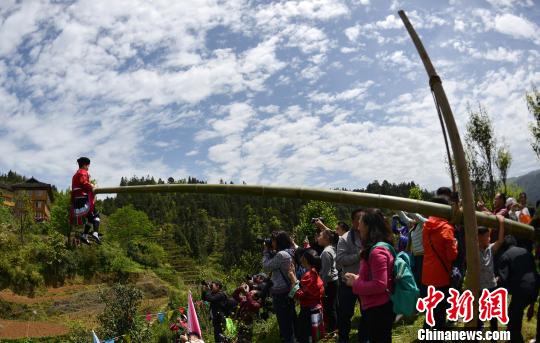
127 223
146 253
120 316
53 258
314 209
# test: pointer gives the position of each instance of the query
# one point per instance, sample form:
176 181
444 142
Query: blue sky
314 93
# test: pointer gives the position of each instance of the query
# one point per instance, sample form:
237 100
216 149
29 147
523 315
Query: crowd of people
345 265
247 303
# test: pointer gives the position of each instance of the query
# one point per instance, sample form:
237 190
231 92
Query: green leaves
533 104
415 193
146 253
120 315
127 223
480 149
503 162
314 209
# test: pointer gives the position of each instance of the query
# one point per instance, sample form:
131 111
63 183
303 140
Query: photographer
328 239
348 261
249 305
212 292
276 259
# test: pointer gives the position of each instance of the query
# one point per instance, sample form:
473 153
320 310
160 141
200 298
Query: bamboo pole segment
471 235
344 197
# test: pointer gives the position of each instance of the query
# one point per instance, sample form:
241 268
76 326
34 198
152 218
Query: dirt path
19 329
51 294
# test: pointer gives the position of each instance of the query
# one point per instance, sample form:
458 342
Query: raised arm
271 262
404 218
419 217
500 237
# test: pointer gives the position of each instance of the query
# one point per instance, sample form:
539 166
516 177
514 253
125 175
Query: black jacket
217 302
517 272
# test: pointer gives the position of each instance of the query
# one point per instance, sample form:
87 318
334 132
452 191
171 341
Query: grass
161 282
403 332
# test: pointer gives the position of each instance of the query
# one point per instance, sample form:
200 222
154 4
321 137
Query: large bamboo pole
344 197
471 235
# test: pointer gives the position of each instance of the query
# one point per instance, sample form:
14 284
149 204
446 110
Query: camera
264 240
313 220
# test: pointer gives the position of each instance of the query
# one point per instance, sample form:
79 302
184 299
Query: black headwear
83 160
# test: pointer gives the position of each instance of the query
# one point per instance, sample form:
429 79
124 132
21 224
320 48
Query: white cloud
23 19
459 25
352 33
261 92
395 5
510 3
348 50
502 92
517 27
237 120
383 30
354 94
308 39
397 59
499 54
275 14
390 22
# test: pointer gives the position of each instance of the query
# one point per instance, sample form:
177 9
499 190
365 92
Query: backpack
405 293
229 307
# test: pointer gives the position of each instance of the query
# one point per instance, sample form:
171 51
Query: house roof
33 183
6 187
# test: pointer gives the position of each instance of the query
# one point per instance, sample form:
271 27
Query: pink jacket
374 284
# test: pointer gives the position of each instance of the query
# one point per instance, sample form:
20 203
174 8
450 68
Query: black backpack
229 307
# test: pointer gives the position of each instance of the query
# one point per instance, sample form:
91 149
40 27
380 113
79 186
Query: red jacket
80 184
442 237
311 289
248 307
81 187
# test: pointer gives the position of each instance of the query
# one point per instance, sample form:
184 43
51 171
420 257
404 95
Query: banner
95 339
193 321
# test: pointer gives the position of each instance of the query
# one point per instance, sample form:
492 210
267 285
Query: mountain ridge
530 183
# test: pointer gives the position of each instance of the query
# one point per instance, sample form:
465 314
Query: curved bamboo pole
470 219
344 197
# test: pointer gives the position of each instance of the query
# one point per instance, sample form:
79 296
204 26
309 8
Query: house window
38 205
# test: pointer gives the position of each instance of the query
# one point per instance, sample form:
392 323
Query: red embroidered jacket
80 184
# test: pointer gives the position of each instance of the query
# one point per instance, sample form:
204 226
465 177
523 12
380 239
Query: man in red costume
82 202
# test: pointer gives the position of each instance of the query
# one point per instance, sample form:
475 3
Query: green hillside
530 183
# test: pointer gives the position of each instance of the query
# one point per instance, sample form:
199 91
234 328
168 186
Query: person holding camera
328 239
277 258
249 303
213 293
348 261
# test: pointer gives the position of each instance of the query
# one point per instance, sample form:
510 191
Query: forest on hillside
180 239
